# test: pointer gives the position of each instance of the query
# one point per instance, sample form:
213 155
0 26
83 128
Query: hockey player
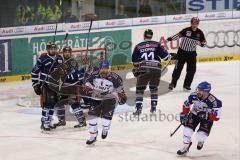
103 84
146 60
206 109
40 74
72 76
190 38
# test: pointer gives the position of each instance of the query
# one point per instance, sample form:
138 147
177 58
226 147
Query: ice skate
184 149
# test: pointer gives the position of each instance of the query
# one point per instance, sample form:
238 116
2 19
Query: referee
190 38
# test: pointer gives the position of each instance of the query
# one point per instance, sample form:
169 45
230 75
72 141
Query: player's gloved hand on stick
169 39
135 72
122 97
37 89
202 115
183 118
173 56
88 88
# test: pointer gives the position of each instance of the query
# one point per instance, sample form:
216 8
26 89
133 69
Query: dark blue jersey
149 51
75 77
45 64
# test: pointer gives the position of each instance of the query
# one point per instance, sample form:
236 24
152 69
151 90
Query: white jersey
209 105
107 87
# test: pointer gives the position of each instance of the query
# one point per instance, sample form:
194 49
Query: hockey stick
64 42
175 130
86 59
55 33
165 67
90 27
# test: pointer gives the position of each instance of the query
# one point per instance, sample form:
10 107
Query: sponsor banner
12 31
222 36
179 18
115 23
148 20
198 6
218 58
80 26
121 67
15 78
117 43
236 14
216 15
45 28
130 66
48 28
5 57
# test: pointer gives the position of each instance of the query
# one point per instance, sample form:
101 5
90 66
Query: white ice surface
21 139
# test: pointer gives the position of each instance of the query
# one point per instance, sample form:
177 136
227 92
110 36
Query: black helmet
53 46
148 33
48 44
67 49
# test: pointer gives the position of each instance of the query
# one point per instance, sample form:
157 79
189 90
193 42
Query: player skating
146 60
106 89
206 109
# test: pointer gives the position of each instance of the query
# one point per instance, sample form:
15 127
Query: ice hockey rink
21 138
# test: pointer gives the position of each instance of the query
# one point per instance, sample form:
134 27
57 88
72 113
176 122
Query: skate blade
183 155
46 132
186 90
91 145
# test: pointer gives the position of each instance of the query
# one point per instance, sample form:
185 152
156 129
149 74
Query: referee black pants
182 58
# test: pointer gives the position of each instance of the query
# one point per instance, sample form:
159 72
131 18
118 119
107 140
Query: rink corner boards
23 77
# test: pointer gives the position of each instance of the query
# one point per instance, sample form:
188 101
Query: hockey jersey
190 39
75 77
148 55
211 105
45 64
105 86
149 51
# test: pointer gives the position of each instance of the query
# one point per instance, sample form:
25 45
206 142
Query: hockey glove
183 118
37 89
122 98
135 72
169 39
88 88
202 115
173 55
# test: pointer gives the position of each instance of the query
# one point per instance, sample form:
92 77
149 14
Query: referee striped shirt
190 39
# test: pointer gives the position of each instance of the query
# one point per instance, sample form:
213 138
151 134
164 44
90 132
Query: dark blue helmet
204 86
148 33
104 64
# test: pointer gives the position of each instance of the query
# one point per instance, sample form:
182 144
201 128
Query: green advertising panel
117 43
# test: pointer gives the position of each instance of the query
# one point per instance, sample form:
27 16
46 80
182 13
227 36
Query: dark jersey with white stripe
190 39
149 51
45 64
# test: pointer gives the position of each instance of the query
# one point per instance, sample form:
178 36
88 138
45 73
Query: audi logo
220 39
50 27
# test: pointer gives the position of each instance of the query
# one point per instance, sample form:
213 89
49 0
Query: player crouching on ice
103 84
206 109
